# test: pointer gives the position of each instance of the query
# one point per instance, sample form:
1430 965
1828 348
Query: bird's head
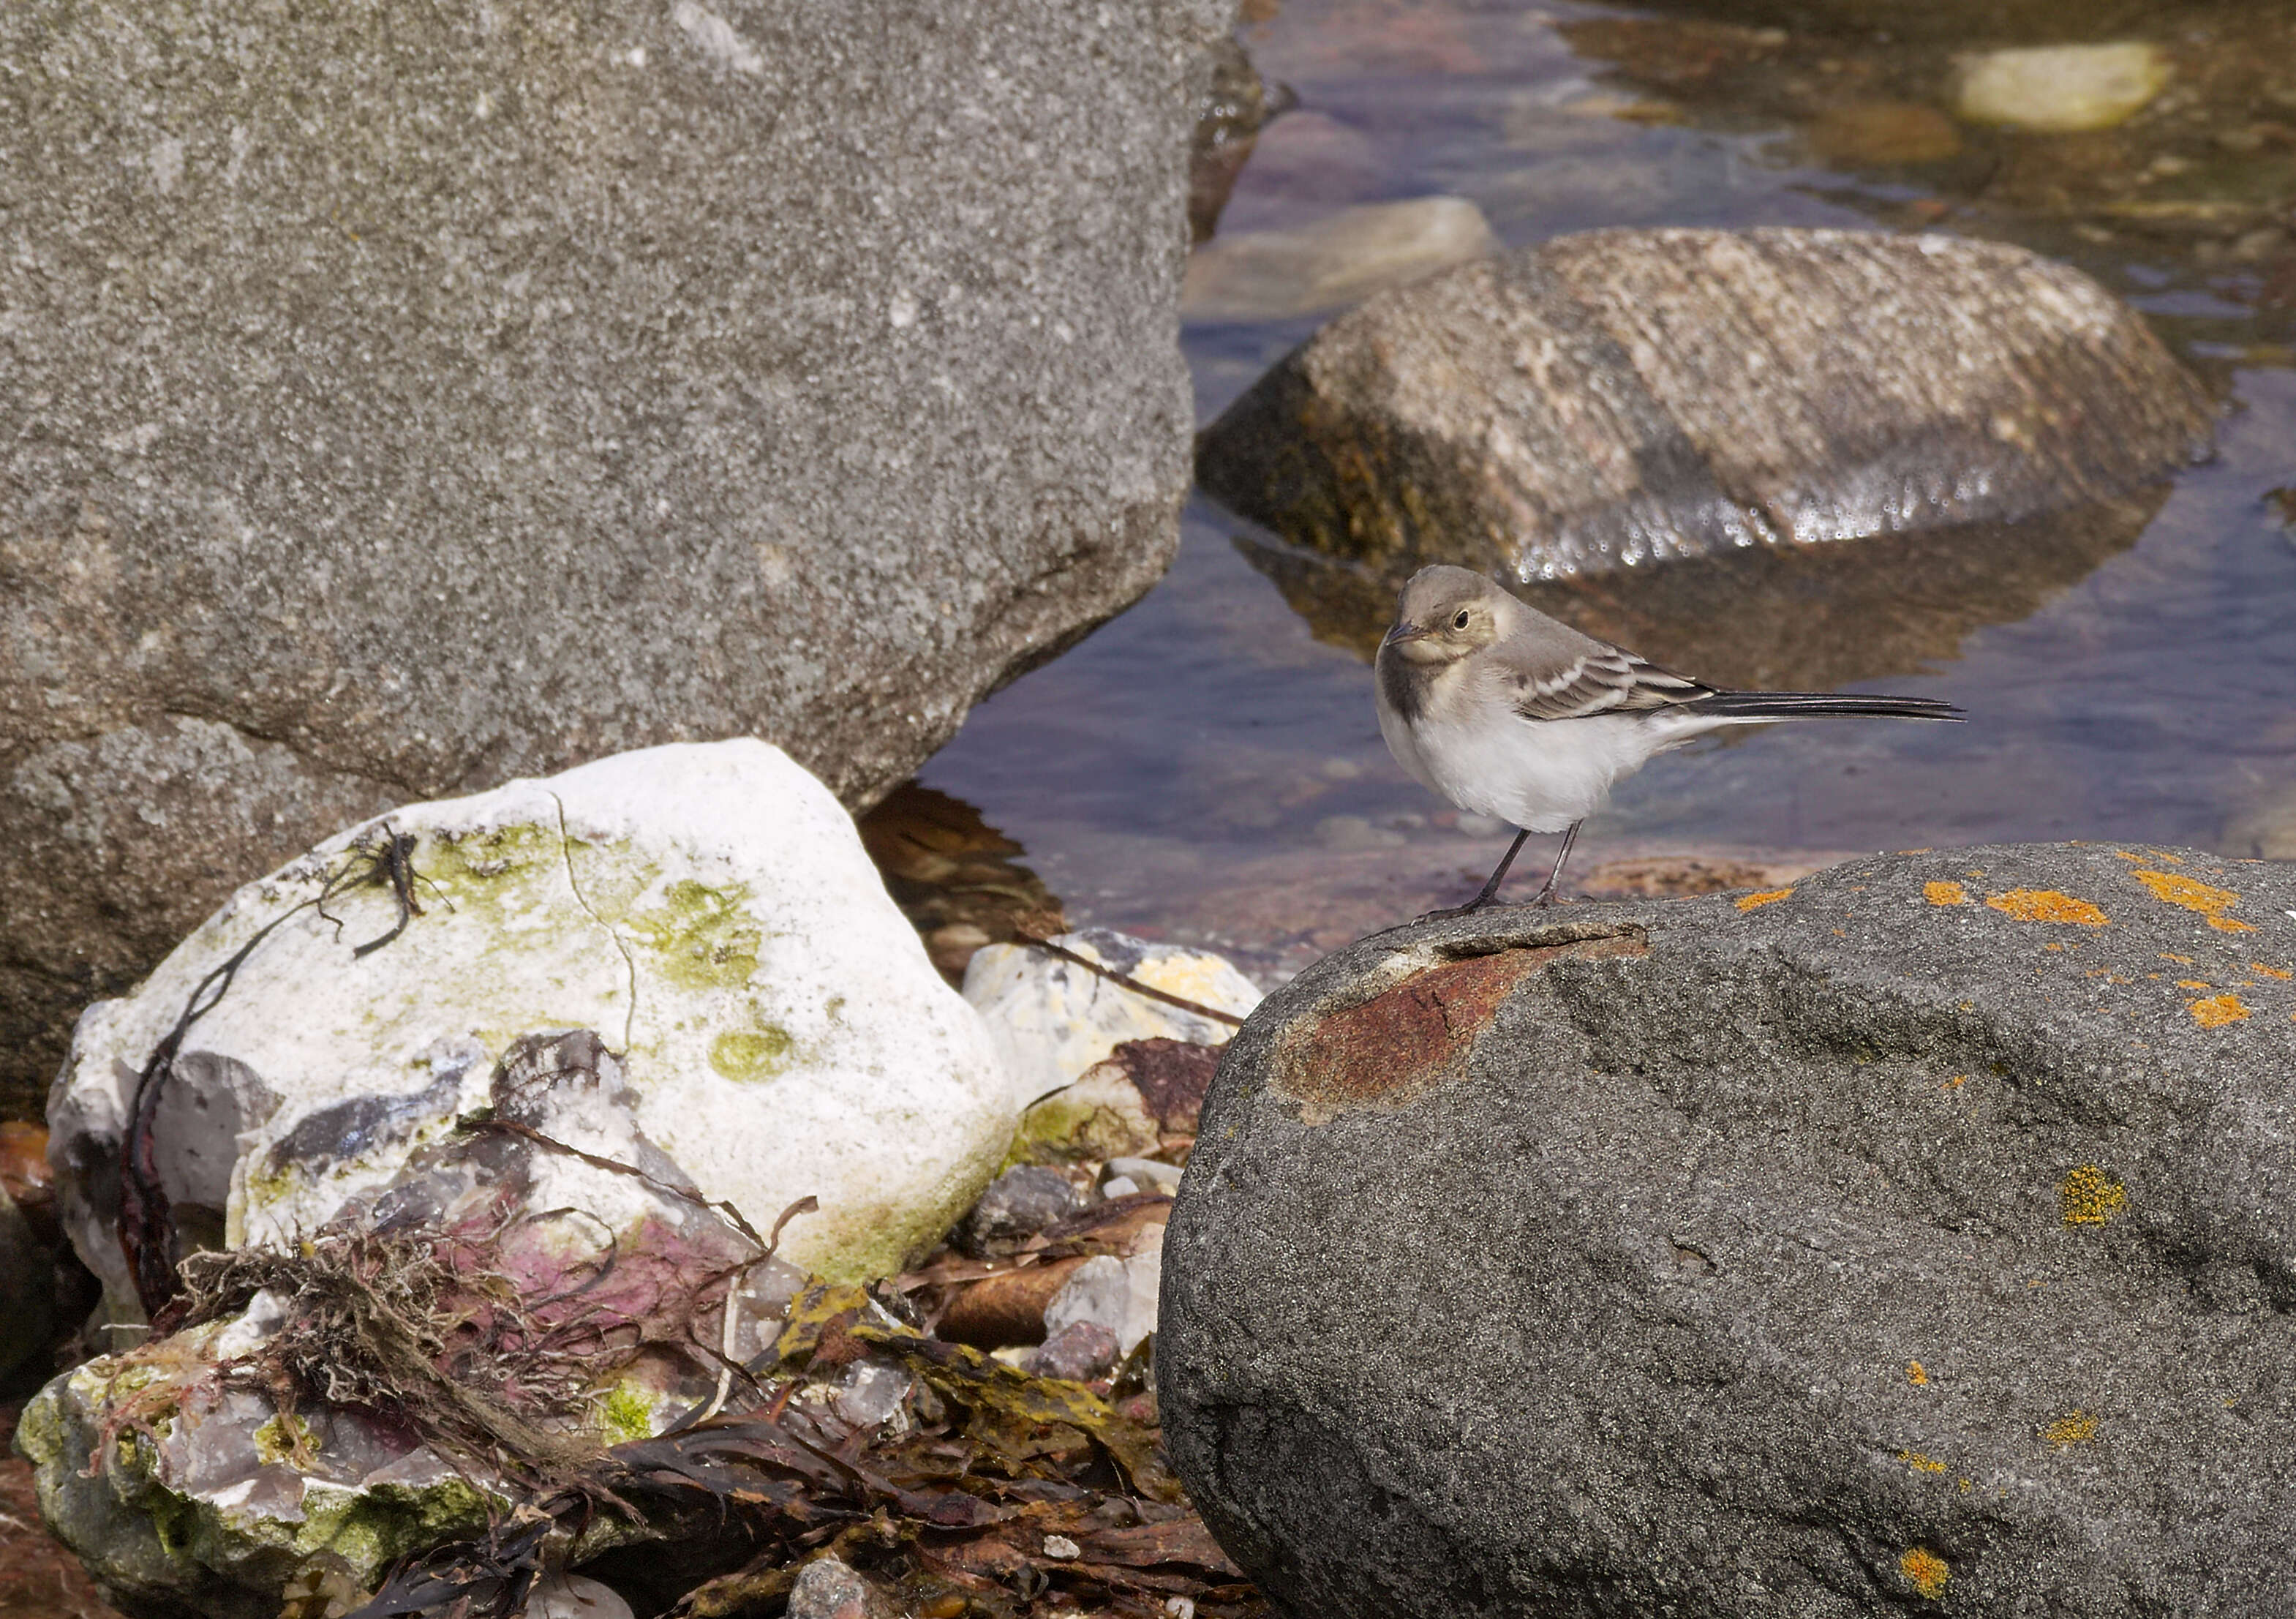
1444 614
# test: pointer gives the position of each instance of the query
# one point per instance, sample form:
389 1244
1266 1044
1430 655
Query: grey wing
1604 679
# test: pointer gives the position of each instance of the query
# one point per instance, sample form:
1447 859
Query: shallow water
1206 767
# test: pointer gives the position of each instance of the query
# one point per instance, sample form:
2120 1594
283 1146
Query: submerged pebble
1336 261
2062 89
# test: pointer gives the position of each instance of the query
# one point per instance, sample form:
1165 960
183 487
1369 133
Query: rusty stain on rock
1418 1034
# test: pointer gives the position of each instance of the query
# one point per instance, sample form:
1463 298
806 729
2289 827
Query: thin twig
1126 981
732 1311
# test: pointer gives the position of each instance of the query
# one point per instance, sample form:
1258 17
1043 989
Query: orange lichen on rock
2073 1428
1917 1374
1769 896
2216 1011
1920 1463
2181 961
1925 1570
1954 1083
2171 889
2259 967
2046 904
1945 894
2089 1196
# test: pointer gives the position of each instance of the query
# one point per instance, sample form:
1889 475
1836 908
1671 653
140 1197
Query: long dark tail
1817 705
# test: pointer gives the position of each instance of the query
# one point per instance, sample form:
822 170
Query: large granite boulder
1923 1231
707 907
1624 397
399 400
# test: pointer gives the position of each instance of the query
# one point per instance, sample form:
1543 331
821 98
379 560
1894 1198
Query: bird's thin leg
1545 895
1489 887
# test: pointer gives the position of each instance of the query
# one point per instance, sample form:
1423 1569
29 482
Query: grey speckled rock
398 400
1923 1231
1623 397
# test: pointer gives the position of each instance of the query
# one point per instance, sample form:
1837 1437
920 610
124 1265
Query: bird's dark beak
1401 633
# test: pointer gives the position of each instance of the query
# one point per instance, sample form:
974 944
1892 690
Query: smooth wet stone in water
1915 1229
1623 398
1334 261
1883 133
2063 89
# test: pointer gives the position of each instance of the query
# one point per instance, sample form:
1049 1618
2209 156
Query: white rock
1336 261
828 1588
707 909
1117 1293
1151 1172
1096 1291
1050 1020
2062 89
564 1596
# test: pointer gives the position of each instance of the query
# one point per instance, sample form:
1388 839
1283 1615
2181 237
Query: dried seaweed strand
1126 981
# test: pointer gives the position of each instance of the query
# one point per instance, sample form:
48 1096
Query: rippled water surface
1208 766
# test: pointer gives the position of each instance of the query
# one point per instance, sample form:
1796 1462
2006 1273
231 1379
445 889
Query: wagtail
1508 714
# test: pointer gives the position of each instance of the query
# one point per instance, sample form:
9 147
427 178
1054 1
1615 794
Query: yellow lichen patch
2259 967
1945 894
2046 904
1920 1463
2181 961
1769 896
1925 1571
2089 1196
2171 889
1917 1374
2072 1428
2215 1011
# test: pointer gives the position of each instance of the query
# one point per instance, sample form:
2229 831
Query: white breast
1541 774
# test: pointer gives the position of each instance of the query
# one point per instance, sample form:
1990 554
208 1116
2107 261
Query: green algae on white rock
707 909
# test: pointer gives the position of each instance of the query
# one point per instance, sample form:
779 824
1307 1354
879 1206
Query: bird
1488 702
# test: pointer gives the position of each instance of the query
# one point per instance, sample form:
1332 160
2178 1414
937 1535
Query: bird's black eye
1461 622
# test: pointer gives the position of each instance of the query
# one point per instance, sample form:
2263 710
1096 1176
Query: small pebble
2063 89
1143 1172
1079 1352
828 1589
1018 1203
1063 1547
